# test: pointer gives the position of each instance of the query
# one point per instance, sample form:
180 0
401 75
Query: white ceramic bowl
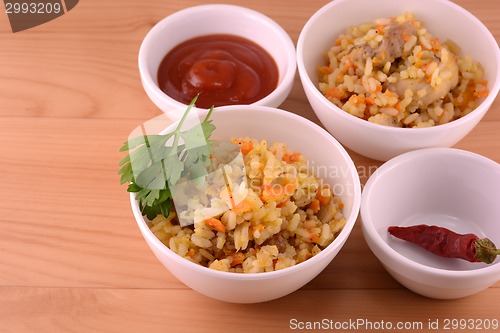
215 19
383 142
451 188
325 154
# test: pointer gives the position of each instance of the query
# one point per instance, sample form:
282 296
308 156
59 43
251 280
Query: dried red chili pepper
446 243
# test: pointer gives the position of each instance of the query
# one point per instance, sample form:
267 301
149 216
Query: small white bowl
215 19
451 188
276 126
383 142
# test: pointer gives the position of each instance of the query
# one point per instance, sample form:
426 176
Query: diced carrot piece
314 237
277 192
339 202
314 205
467 97
360 99
325 69
333 92
244 206
290 188
246 147
215 224
483 93
281 204
324 198
347 65
191 253
291 158
380 29
238 258
435 44
389 93
295 157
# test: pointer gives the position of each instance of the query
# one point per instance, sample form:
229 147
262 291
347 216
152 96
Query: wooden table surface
71 256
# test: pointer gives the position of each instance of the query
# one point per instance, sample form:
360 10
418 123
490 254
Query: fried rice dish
265 213
394 72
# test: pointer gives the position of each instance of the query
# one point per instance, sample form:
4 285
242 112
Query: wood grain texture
71 256
173 310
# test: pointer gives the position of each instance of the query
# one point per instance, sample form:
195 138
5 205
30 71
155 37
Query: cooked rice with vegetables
394 72
286 216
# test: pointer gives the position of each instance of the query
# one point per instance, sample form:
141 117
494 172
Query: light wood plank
68 211
71 256
79 223
86 55
124 310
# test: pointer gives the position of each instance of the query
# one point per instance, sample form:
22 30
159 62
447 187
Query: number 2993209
470 324
32 8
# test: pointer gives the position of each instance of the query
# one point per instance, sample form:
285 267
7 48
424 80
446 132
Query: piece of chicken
358 54
429 89
392 46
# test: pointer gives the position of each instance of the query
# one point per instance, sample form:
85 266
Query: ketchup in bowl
222 69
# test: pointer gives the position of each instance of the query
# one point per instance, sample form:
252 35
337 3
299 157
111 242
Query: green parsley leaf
174 168
154 165
133 188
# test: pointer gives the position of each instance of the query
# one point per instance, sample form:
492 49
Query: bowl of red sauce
224 54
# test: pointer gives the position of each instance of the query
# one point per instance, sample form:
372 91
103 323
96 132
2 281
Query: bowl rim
478 112
372 234
323 255
285 79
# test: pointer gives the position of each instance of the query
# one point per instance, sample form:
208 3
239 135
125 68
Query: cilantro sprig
156 163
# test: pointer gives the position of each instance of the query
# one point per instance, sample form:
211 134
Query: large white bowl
326 156
451 188
445 20
215 19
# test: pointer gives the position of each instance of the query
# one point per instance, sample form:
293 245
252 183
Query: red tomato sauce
222 69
